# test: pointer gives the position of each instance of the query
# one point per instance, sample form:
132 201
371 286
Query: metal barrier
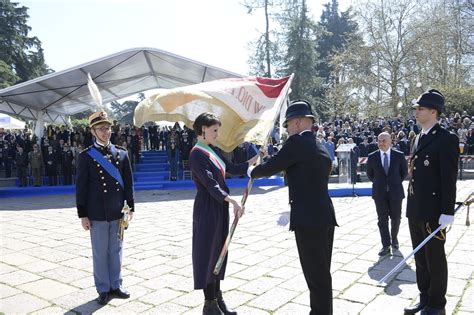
466 163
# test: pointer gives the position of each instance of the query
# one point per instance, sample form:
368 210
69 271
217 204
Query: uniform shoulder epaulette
396 150
86 149
372 153
121 148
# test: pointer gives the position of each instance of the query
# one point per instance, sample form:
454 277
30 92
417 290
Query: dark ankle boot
211 308
222 305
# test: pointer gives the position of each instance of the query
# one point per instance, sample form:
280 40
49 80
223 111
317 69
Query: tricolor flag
247 107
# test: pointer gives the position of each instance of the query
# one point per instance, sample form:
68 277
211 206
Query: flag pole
280 100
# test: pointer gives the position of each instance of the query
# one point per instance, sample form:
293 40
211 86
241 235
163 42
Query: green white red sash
215 159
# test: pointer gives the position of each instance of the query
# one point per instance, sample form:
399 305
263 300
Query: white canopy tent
53 97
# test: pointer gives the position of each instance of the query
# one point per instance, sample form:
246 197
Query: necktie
385 163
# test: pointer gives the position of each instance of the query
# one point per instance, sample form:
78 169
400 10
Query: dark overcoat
210 215
434 168
307 165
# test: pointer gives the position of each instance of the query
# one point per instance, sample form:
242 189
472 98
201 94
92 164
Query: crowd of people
363 134
54 155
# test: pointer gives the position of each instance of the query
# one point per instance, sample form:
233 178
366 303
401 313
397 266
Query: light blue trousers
106 255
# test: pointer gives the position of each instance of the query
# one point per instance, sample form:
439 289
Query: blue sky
215 32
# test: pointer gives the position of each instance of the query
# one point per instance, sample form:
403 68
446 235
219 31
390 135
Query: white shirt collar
425 132
307 130
382 152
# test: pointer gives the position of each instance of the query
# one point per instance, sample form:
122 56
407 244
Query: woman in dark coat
211 210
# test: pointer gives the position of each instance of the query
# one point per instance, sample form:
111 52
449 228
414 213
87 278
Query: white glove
249 170
445 220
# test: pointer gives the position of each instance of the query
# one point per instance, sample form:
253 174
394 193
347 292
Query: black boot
222 305
211 308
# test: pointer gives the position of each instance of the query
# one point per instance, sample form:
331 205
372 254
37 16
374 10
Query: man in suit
386 169
430 202
307 165
104 182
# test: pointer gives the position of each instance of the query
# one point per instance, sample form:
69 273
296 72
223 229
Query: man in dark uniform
51 163
8 155
307 165
68 157
430 202
104 182
22 162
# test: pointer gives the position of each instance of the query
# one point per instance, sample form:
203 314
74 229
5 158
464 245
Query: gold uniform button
434 193
105 184
102 177
118 189
116 183
414 167
105 190
416 156
100 171
412 180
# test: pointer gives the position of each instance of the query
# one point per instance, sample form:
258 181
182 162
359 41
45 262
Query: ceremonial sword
467 202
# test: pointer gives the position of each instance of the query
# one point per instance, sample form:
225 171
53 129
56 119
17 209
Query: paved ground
46 265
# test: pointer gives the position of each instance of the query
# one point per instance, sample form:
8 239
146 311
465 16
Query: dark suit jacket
397 172
98 195
307 165
434 167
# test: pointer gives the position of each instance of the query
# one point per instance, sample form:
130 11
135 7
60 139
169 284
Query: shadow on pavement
86 308
404 275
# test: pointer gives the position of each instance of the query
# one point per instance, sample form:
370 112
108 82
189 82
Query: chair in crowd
186 170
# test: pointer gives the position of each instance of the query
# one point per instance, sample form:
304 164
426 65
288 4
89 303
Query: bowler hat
97 118
433 99
298 108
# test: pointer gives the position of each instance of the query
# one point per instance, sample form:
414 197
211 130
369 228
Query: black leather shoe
120 293
103 298
211 308
384 251
395 246
414 308
432 311
223 306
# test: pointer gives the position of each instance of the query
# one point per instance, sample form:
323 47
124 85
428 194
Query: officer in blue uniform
430 202
104 182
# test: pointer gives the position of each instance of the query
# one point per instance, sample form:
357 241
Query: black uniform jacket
434 166
307 165
98 195
397 172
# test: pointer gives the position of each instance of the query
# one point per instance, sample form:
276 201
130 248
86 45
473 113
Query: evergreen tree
21 56
122 109
301 56
339 29
267 56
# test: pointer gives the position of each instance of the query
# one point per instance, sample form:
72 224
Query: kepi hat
97 118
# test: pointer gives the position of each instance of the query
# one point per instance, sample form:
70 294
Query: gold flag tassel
124 221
